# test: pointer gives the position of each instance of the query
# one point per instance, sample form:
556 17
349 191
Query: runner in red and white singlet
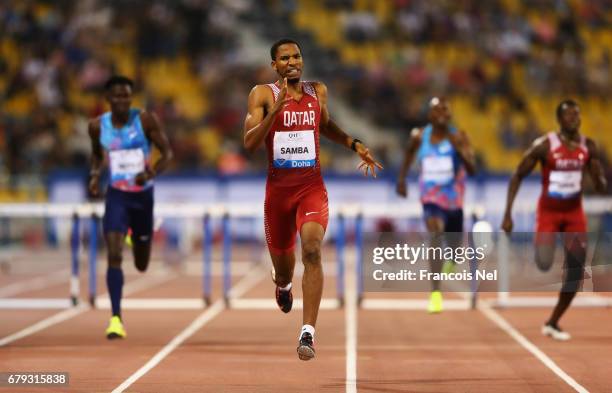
560 204
295 193
564 157
288 116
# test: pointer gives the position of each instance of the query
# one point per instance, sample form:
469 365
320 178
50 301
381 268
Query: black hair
564 104
280 42
118 80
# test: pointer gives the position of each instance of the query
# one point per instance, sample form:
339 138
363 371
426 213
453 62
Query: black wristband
353 148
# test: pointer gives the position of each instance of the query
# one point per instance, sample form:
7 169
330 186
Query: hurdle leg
359 256
93 255
227 255
74 249
207 260
473 267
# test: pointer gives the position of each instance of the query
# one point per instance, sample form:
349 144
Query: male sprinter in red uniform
564 156
288 116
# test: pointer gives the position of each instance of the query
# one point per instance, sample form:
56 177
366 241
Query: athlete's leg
114 273
142 254
575 246
115 225
453 228
572 281
311 235
282 274
141 222
435 223
284 264
545 250
547 227
280 227
312 217
453 234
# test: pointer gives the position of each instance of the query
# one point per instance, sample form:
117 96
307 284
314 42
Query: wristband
353 145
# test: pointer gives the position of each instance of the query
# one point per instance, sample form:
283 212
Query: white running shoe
555 332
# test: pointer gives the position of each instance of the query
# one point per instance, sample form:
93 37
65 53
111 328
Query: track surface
237 350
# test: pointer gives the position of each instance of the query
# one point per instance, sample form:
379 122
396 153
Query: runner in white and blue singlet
444 155
124 136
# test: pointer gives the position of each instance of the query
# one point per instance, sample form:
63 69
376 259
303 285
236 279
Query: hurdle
503 298
90 213
350 220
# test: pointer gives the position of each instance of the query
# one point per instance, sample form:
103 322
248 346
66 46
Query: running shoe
435 302
555 332
305 347
284 299
115 328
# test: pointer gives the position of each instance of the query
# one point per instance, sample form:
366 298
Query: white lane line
582 300
35 304
411 304
501 322
350 323
45 323
65 315
270 304
154 304
35 284
249 281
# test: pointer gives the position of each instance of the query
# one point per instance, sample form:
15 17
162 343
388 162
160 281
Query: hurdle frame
347 213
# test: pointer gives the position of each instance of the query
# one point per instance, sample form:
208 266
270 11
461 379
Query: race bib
438 169
294 149
564 184
127 162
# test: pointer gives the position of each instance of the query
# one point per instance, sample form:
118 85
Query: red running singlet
560 204
295 193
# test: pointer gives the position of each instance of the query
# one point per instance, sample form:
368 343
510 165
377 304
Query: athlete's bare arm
97 157
154 132
595 168
414 142
461 143
536 153
261 113
333 132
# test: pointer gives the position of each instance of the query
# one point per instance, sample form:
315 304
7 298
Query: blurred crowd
188 61
400 52
55 57
542 36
